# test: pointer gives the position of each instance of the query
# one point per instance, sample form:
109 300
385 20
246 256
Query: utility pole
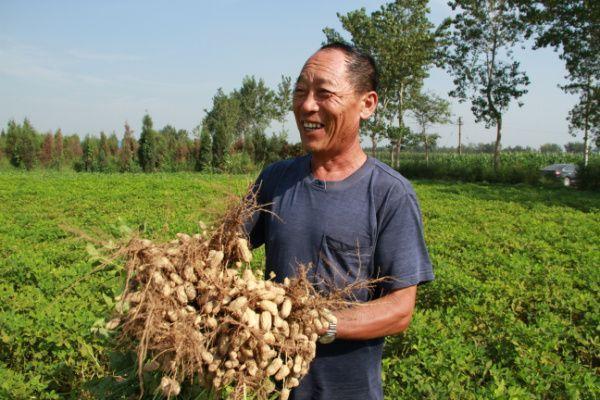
460 124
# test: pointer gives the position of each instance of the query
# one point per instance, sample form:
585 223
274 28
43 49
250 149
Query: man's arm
388 315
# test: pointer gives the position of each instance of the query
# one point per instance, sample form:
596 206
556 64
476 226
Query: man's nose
309 103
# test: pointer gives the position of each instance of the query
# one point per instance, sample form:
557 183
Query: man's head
336 89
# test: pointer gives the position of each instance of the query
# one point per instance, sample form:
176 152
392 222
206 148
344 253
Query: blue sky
89 66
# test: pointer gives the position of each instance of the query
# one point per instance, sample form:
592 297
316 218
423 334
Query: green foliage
257 107
478 54
239 163
588 177
283 100
401 39
574 147
21 144
514 167
222 121
571 28
550 148
128 152
52 303
512 312
204 161
148 150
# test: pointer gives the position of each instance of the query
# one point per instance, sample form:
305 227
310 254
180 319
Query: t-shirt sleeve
401 254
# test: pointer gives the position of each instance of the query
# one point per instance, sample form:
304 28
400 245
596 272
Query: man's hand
388 315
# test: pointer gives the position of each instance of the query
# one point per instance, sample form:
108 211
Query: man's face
326 107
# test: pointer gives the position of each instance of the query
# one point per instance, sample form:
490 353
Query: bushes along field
513 312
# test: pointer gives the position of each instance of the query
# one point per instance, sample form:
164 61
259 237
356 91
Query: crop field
513 312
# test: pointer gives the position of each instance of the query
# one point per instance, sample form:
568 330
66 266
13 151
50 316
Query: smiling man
350 216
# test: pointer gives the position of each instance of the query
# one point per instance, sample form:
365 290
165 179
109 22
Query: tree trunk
426 149
391 154
459 136
373 144
400 124
397 150
586 128
497 146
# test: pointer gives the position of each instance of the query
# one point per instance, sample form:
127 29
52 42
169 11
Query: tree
283 100
21 144
221 122
58 150
2 144
257 107
574 147
479 55
402 41
204 152
103 154
113 145
550 148
585 115
148 149
46 155
129 149
430 109
573 28
73 150
89 149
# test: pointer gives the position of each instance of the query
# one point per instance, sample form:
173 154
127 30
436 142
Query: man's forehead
324 67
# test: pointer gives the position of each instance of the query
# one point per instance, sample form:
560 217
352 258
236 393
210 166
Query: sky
89 66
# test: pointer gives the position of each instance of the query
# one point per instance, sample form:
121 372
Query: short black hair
361 66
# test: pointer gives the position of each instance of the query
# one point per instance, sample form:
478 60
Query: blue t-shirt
363 227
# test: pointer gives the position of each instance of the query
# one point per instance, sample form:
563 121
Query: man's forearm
388 315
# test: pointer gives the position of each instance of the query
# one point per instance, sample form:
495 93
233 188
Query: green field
513 312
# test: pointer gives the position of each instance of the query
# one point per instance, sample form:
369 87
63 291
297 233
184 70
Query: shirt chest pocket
341 264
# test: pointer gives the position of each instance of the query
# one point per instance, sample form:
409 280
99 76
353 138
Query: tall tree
204 160
572 27
46 152
148 149
479 55
2 144
58 149
256 107
222 121
430 109
128 151
73 150
402 41
103 154
113 145
547 148
21 144
283 101
89 148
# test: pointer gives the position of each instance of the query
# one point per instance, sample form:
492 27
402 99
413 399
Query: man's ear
368 104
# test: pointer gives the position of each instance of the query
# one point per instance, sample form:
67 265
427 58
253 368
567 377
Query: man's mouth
311 126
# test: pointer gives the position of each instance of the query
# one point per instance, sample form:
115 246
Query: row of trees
170 149
167 149
476 46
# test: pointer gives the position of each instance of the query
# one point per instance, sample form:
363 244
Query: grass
513 312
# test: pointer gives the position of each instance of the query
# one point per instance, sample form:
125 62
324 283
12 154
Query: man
349 215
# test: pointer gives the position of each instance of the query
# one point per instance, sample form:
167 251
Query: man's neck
337 167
